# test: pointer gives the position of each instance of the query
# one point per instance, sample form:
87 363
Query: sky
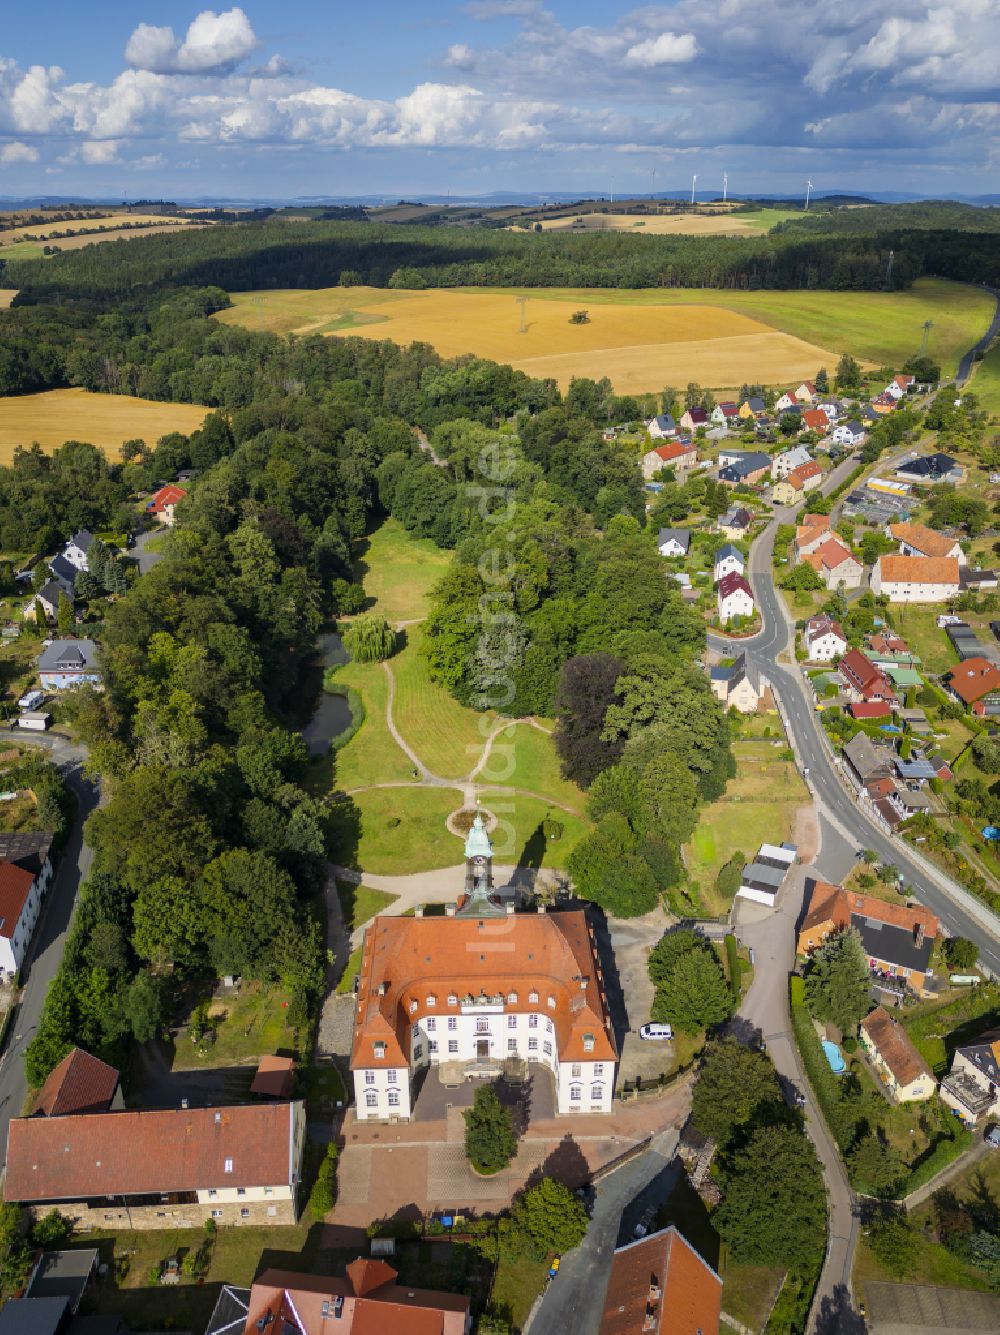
305 98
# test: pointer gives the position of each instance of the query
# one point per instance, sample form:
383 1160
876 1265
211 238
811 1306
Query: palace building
481 992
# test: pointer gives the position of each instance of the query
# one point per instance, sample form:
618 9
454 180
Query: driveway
145 559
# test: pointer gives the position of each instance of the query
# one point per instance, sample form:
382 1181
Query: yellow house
904 1073
745 411
785 492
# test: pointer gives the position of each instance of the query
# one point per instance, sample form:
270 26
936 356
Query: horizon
496 96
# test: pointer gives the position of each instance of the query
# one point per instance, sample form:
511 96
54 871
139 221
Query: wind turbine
652 184
725 187
694 179
809 190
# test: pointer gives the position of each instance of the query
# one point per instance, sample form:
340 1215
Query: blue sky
319 97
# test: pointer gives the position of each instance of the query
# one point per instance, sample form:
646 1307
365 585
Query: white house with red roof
477 992
676 455
165 502
735 597
806 392
22 887
824 639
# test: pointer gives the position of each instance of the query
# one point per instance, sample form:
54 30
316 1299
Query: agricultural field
645 338
140 225
7 295
107 420
673 224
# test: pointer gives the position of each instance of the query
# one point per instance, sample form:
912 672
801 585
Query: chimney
418 912
918 935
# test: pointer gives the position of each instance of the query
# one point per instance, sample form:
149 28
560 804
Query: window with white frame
371 1099
532 1044
511 1021
512 998
431 1024
228 1166
452 1022
379 1051
393 1098
599 1068
413 1006
532 1021
576 1071
452 999
547 1049
532 997
452 1044
588 1042
512 1045
369 1077
482 1026
552 1003
245 1212
596 1093
432 1000
391 1076
575 1093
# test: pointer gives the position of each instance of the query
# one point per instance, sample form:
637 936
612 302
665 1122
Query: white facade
783 464
826 647
15 938
846 435
75 555
490 1034
736 604
905 591
730 564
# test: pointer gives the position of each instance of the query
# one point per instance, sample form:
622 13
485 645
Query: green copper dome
477 842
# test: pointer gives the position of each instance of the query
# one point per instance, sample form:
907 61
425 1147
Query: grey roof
729 550
929 465
63 569
231 1311
682 536
756 404
853 425
917 767
34 1316
894 945
64 1274
665 422
69 656
863 757
749 463
83 539
758 873
51 590
26 848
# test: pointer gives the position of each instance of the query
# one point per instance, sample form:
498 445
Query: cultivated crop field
7 295
646 338
107 420
673 224
142 224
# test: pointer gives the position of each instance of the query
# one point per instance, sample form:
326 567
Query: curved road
965 365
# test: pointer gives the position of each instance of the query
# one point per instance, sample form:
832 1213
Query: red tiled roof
894 1046
918 569
275 1077
661 1284
407 960
799 476
168 495
79 1084
816 419
674 450
833 904
372 1304
973 679
732 582
926 541
864 676
134 1153
15 886
872 709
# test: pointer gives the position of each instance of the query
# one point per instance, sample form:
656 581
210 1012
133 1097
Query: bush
324 1191
51 1230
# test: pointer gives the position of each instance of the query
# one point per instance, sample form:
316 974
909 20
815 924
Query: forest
842 250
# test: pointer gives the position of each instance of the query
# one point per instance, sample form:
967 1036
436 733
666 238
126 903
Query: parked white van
656 1031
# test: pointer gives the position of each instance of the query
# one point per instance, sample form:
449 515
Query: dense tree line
317 253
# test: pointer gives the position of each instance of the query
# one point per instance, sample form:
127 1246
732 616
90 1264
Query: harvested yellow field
82 225
107 420
639 346
117 234
669 224
7 295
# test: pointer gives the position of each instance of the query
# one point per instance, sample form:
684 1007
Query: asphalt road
965 365
846 828
50 936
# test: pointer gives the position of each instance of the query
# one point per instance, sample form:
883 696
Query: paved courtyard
533 1100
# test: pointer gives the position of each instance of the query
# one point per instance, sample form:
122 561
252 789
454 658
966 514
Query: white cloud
667 49
15 151
99 152
214 42
459 56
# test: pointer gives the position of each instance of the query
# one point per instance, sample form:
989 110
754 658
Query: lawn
641 338
359 903
938 1028
986 381
238 1255
403 830
448 737
371 756
106 420
520 838
517 1283
742 819
918 626
351 970
17 664
245 1026
525 757
399 571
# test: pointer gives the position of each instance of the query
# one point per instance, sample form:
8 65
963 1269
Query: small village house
728 560
931 470
661 427
735 598
919 540
784 463
790 490
806 392
65 664
824 639
747 470
976 685
972 1087
815 419
681 458
898 940
903 1072
25 873
661 1285
48 595
864 681
365 1300
916 579
693 418
164 503
735 687
735 523
786 401
761 879
848 434
836 566
725 414
673 541
811 534
77 549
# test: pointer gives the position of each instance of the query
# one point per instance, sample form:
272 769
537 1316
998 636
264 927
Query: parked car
643 1226
656 1032
992 1137
32 700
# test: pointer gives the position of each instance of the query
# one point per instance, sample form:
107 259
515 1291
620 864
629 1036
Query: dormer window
452 999
413 1007
228 1165
533 997
588 1042
552 1003
432 1000
379 1051
512 998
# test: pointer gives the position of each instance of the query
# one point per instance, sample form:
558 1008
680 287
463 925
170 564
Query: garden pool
833 1056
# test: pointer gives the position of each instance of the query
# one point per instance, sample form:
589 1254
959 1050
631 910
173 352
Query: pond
332 714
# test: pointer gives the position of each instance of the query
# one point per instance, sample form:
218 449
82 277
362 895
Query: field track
106 420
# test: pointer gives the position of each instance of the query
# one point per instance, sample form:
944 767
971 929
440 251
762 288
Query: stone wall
269 1213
